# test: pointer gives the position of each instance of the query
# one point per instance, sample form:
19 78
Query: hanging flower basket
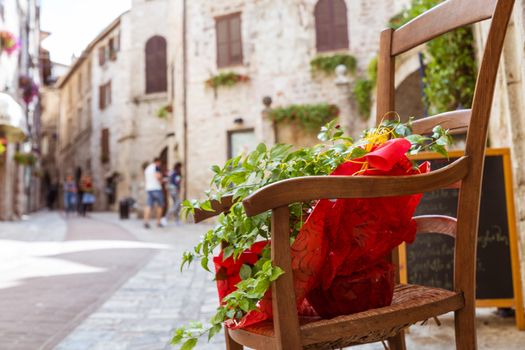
27 159
8 42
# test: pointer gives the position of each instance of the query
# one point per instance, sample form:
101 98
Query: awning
12 121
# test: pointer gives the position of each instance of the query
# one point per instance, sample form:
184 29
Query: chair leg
397 342
465 324
230 343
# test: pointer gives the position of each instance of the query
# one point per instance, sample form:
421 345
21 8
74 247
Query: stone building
110 99
19 106
271 45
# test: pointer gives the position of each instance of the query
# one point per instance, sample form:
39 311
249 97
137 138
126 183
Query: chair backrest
449 15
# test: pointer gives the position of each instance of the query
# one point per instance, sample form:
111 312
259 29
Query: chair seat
411 304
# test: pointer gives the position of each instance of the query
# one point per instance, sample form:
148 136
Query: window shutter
229 40
101 56
222 29
108 99
156 65
104 144
331 25
101 97
235 40
340 22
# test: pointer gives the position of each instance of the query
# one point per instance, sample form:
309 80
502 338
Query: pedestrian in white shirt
153 179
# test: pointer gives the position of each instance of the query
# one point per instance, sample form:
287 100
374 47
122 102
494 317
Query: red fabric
339 256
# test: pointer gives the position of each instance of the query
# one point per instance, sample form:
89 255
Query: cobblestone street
72 284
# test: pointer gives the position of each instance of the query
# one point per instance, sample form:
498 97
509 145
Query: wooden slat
441 19
218 207
308 188
456 122
436 224
385 77
470 194
285 318
418 303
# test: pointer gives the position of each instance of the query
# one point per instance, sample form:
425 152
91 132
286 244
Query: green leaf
214 330
206 205
261 148
246 272
189 344
204 264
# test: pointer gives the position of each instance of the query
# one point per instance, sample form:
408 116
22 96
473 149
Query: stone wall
278 45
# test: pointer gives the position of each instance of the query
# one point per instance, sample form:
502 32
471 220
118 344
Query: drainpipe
184 98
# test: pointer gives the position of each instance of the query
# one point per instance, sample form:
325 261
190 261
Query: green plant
243 175
164 111
327 64
362 92
27 159
450 74
226 79
310 116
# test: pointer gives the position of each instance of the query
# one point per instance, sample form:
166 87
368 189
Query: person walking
155 197
88 197
70 194
174 186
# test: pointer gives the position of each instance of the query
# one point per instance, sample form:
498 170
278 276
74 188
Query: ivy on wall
363 88
327 64
450 72
309 116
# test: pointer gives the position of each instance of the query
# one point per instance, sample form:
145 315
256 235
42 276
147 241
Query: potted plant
164 111
243 269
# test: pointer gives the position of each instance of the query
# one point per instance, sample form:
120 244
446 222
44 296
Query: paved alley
100 283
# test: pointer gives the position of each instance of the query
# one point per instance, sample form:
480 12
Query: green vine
310 116
243 175
362 92
363 88
226 79
450 72
327 64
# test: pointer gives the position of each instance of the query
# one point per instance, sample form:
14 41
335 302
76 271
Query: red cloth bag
339 256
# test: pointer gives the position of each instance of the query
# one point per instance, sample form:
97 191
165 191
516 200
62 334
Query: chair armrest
308 188
218 206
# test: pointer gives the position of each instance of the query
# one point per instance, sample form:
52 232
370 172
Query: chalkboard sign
429 260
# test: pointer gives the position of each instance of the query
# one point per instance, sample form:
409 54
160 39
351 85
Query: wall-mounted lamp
238 120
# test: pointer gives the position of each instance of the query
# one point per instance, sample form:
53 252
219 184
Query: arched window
156 66
331 25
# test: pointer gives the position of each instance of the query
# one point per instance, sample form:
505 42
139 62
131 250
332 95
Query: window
101 55
104 93
331 26
104 145
112 49
229 40
241 142
156 65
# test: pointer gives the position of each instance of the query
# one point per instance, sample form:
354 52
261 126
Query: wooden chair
411 303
